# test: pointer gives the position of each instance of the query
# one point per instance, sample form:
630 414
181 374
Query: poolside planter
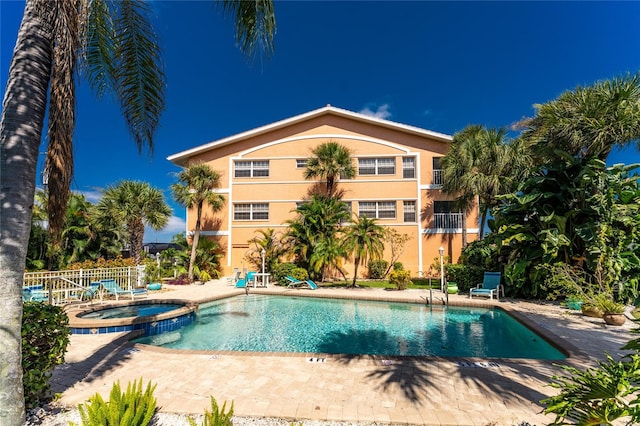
452 288
154 286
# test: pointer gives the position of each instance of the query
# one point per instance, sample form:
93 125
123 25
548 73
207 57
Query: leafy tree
120 53
364 239
576 212
482 163
197 186
133 205
397 242
330 161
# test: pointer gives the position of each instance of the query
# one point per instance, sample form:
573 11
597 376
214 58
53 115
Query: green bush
401 279
300 274
45 336
281 271
398 266
466 276
377 268
217 415
132 408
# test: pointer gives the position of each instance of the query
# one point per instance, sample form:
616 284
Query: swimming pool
262 323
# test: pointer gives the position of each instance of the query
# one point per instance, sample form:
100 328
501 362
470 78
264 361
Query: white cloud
91 196
382 111
176 225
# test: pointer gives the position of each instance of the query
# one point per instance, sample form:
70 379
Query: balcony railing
447 220
438 175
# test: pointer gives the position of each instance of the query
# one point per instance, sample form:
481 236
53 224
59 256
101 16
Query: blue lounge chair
293 282
92 291
34 295
489 286
241 283
112 287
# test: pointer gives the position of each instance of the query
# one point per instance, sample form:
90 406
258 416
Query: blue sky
436 65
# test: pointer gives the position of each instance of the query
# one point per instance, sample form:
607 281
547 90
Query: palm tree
481 163
269 241
197 186
365 240
120 53
317 219
330 162
588 121
134 204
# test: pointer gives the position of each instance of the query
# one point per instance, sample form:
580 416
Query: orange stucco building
398 181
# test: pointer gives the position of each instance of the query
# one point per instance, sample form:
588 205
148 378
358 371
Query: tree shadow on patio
107 357
408 373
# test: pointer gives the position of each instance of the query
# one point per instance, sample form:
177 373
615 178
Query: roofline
181 158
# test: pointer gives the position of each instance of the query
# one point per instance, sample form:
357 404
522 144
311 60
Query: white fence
64 285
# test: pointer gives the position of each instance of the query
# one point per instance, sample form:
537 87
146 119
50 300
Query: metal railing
64 285
447 220
438 177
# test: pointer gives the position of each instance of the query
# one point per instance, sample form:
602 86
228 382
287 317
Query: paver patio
412 390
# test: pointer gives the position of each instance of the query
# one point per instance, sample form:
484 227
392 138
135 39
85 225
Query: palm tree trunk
194 243
136 235
20 133
464 228
355 271
483 219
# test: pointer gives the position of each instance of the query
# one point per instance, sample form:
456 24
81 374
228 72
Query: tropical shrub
465 276
217 416
118 262
282 270
45 336
300 274
400 278
398 266
482 253
131 408
377 268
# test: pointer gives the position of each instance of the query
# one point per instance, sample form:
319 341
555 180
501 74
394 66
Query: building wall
285 185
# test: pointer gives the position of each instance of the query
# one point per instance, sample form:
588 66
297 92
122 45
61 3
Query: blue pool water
261 323
130 311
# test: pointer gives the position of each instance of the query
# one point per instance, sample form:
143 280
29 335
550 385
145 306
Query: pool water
130 311
261 323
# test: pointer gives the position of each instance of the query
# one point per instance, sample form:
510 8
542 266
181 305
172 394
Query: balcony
447 221
438 175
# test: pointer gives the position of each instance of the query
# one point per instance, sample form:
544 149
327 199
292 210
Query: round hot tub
150 316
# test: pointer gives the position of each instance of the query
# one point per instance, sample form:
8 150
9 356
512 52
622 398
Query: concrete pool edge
572 352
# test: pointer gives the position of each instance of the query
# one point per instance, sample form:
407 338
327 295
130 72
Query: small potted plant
612 311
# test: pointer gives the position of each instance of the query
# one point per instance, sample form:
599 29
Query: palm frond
255 24
139 77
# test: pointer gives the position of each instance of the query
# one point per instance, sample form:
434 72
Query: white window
408 167
377 166
301 164
409 210
251 169
377 209
256 211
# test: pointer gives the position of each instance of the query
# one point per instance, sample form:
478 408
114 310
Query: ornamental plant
218 416
45 336
131 408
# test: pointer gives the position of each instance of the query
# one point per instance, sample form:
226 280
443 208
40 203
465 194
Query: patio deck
426 391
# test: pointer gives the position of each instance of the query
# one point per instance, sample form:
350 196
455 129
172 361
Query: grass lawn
418 283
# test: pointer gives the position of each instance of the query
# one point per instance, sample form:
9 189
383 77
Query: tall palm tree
588 121
365 240
134 204
330 161
197 186
482 163
120 53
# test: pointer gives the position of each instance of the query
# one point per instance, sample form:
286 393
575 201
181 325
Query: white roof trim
181 157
